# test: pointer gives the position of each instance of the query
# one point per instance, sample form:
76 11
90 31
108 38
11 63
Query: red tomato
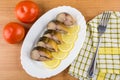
27 11
13 32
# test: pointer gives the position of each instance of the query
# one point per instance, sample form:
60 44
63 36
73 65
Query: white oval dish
37 69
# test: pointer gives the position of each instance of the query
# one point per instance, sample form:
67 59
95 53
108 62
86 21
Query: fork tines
105 18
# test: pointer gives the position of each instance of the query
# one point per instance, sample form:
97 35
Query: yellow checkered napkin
108 62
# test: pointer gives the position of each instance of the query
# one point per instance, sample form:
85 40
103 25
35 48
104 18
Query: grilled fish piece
54 36
57 26
48 44
40 54
66 19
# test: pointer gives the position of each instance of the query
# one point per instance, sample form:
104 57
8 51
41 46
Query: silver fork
101 29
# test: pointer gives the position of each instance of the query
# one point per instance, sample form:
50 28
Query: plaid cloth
108 62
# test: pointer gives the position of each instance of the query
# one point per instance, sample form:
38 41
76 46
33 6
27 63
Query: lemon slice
69 38
65 47
60 55
52 64
74 29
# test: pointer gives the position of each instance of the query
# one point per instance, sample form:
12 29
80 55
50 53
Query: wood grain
10 67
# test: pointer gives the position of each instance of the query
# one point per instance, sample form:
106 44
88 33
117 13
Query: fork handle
92 68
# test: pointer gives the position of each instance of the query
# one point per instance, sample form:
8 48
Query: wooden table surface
10 67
